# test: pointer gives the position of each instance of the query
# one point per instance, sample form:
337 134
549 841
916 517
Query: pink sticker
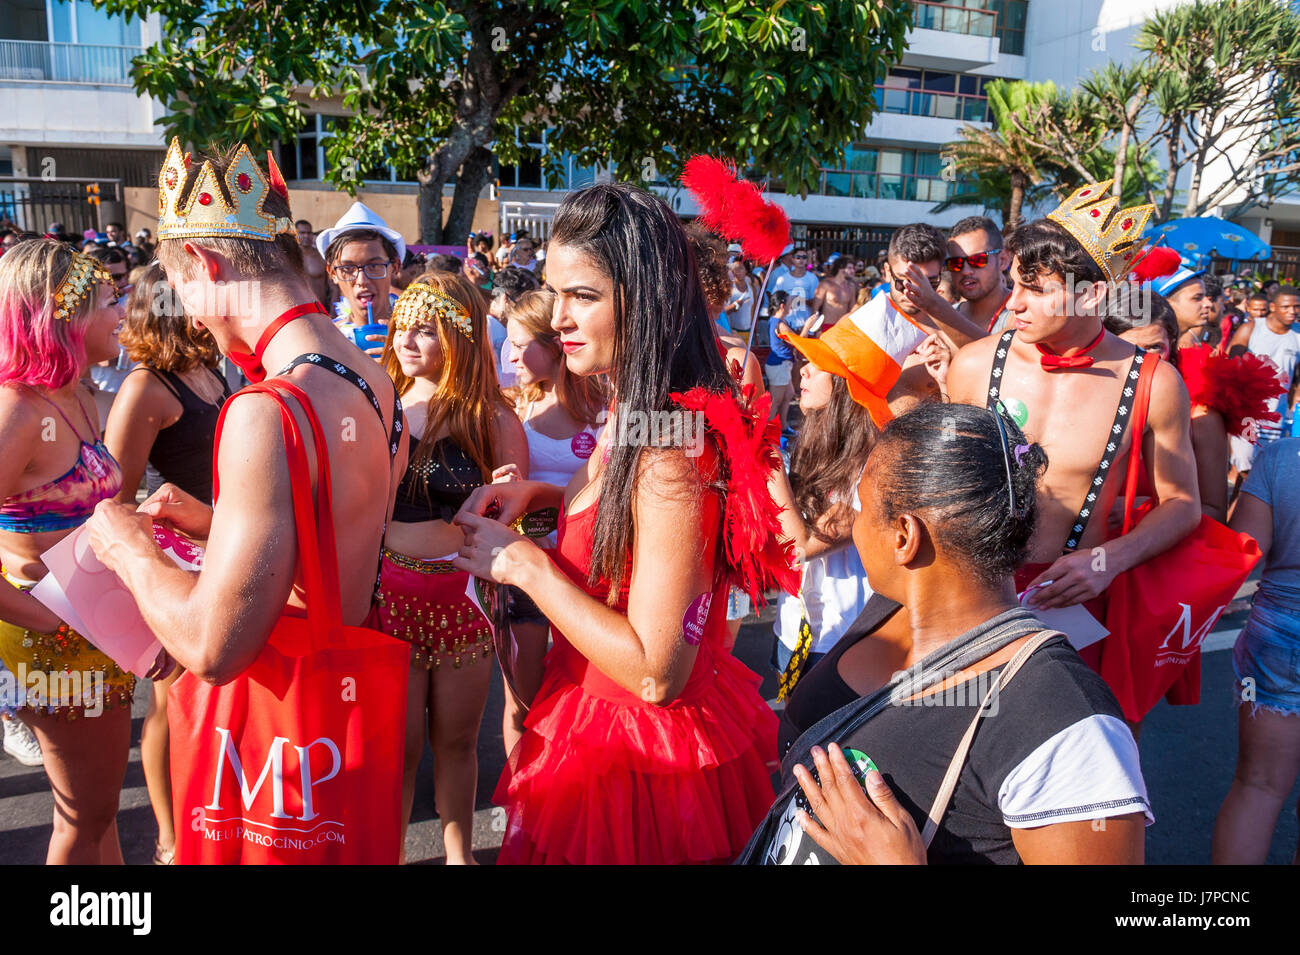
693 621
583 443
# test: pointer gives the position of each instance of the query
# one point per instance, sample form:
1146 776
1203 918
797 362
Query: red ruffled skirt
603 778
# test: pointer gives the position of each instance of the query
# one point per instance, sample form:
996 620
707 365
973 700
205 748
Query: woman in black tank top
164 418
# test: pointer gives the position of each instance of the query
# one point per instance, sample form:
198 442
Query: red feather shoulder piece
1238 388
757 557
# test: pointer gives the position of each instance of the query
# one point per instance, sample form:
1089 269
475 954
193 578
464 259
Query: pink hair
35 347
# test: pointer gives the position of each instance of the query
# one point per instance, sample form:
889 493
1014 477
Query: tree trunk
1173 144
1019 181
475 173
1121 161
430 209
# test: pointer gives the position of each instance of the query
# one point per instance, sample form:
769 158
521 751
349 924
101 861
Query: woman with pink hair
58 314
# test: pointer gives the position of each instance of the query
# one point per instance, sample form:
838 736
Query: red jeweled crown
1112 236
206 212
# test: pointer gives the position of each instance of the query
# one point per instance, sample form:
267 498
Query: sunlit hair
584 398
35 347
250 257
829 456
467 394
155 331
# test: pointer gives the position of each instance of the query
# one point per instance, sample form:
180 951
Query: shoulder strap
347 374
1142 404
66 420
999 366
940 805
1117 429
164 377
317 553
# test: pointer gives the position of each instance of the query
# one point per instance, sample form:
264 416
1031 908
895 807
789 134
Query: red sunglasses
977 261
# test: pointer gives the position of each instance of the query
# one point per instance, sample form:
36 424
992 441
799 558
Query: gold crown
207 212
420 302
1112 236
82 276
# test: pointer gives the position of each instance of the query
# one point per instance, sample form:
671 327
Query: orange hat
867 349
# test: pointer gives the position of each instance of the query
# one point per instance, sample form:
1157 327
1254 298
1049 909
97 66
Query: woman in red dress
647 742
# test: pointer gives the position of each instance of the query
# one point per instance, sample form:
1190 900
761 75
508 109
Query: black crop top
436 490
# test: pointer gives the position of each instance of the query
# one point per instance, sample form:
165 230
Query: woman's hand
491 551
504 502
853 828
1072 579
506 473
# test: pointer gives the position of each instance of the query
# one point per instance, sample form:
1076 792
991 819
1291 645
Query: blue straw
370 318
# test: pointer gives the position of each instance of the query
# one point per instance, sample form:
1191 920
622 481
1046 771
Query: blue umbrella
1197 239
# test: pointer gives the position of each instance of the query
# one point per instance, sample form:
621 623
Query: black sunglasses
999 409
977 260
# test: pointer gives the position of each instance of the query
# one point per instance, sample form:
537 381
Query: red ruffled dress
603 777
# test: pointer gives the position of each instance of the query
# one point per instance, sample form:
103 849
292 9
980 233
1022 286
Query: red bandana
1053 362
251 365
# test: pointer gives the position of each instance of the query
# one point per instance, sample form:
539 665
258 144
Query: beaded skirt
60 673
424 603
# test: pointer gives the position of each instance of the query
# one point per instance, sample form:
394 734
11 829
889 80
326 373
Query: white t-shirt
742 318
802 291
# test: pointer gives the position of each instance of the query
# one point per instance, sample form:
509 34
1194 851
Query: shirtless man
837 293
312 262
1057 304
214 623
977 261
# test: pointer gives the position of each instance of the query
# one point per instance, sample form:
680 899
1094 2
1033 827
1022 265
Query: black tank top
821 691
182 451
437 489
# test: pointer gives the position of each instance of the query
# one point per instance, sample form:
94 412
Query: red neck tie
1052 362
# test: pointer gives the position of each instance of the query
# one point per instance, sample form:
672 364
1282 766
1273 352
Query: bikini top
68 500
436 489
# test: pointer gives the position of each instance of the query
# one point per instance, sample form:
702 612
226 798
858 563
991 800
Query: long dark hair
664 339
947 460
829 457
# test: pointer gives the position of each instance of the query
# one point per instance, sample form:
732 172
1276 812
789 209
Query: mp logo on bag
294 823
1191 639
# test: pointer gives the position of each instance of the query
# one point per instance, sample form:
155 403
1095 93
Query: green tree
1225 79
442 87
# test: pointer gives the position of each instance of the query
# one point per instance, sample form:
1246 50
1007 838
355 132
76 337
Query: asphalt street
1188 753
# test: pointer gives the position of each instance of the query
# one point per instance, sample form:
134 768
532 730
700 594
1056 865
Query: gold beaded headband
82 276
420 301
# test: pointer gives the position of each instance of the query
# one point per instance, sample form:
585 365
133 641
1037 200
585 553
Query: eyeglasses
977 261
372 270
999 409
800 256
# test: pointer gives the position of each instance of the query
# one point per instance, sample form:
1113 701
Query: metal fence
1283 266
863 242
953 18
33 204
66 62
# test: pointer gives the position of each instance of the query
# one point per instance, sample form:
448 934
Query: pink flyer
93 601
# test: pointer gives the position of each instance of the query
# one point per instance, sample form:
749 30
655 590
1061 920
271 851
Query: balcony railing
66 62
891 185
967 107
953 18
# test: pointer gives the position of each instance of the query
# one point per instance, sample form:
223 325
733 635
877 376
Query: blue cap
1171 283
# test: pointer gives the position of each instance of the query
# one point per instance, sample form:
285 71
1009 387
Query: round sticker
1016 408
697 614
583 443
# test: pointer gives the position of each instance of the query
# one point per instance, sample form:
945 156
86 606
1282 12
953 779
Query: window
304 158
958 96
871 172
1012 15
77 21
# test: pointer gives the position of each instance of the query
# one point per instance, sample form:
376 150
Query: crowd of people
919 459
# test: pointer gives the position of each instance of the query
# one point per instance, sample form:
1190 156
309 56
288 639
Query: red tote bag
298 760
1159 612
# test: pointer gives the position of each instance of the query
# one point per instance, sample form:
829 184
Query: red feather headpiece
734 208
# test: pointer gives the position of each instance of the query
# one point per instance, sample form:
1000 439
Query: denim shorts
737 604
1267 654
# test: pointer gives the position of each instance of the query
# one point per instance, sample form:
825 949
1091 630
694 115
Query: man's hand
936 355
116 531
853 828
186 513
1075 579
916 287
